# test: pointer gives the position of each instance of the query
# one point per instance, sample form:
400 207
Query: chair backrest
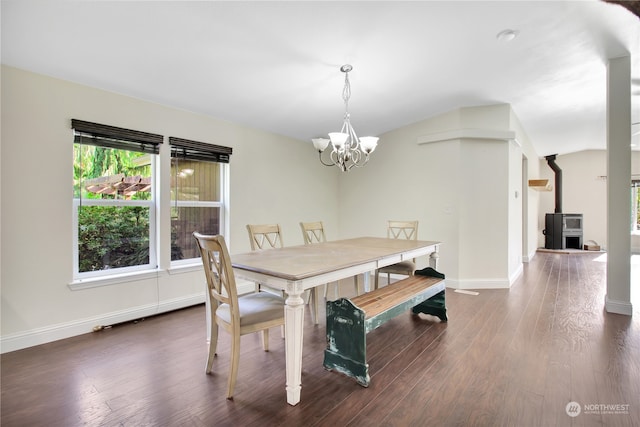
221 282
403 230
313 232
264 236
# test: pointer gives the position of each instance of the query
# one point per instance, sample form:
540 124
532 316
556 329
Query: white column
618 298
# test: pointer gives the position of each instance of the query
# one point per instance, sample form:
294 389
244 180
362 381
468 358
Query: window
196 194
115 203
114 211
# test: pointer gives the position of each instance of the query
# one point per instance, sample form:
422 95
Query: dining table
295 269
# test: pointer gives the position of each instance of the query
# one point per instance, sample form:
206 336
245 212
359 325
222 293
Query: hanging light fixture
347 150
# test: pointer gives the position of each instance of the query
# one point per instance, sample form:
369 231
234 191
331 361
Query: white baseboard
516 274
78 327
529 257
478 284
618 307
473 283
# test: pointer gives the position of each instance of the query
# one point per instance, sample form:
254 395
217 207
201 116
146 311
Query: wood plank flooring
512 357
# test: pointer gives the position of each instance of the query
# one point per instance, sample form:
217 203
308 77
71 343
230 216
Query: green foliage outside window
91 162
110 236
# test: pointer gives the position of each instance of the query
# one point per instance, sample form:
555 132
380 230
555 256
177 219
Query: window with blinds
196 193
114 199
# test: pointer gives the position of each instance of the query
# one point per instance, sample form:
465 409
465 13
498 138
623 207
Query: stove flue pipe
551 161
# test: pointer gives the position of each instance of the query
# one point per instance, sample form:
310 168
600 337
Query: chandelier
347 150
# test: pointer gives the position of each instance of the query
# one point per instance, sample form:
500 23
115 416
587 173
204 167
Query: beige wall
462 191
584 191
272 178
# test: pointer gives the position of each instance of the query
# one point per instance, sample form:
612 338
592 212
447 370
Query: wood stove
561 230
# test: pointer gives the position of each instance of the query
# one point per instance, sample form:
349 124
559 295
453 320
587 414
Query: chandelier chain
346 92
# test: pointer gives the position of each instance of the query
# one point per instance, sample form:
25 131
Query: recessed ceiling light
507 35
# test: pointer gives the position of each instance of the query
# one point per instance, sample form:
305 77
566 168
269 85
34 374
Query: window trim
153 235
153 258
89 133
186 149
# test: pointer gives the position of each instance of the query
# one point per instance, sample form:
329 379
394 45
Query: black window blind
195 150
115 137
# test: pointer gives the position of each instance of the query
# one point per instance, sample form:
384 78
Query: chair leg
375 284
334 287
265 339
213 344
235 361
314 303
355 285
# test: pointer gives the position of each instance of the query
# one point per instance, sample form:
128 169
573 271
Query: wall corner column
618 298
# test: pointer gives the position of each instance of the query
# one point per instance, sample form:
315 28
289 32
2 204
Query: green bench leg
346 341
434 306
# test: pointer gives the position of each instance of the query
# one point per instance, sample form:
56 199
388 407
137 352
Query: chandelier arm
322 161
338 160
359 165
335 158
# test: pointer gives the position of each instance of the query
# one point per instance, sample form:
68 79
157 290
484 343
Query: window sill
186 268
95 282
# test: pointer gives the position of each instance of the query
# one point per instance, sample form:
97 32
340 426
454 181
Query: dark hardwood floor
506 358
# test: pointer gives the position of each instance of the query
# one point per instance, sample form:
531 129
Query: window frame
160 262
151 204
223 204
186 149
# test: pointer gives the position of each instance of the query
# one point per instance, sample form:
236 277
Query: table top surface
303 261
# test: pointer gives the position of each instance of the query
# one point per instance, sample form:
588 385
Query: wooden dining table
295 269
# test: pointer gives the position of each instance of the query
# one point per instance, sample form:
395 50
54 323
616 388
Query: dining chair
269 236
399 230
265 236
313 232
238 315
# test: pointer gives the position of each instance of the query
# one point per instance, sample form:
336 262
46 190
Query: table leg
433 259
293 329
366 279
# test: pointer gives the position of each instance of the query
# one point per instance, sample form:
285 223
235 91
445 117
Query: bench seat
349 320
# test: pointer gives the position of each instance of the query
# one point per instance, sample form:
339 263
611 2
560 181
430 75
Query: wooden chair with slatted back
238 315
313 232
265 236
399 230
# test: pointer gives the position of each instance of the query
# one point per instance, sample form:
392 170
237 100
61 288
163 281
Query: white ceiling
275 65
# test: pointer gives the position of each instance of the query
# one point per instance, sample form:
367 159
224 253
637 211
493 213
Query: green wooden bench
349 320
